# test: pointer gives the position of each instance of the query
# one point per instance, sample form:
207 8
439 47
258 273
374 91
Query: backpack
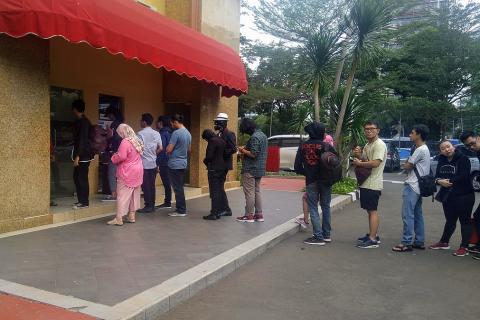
331 165
98 139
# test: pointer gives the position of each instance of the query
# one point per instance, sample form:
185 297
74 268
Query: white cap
221 117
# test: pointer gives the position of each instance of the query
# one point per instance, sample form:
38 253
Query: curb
152 303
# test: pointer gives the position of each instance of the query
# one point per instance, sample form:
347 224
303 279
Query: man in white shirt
412 215
152 146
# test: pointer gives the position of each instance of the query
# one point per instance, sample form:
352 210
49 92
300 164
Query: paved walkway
340 281
108 264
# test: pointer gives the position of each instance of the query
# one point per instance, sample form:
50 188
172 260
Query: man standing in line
152 146
254 156
471 141
165 129
216 166
220 125
82 154
372 156
177 150
308 162
412 214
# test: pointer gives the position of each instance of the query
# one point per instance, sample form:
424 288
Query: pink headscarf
126 132
328 139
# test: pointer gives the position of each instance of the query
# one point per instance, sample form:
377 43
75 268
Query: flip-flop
402 248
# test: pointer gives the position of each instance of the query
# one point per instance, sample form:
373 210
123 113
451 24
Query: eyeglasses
370 129
471 144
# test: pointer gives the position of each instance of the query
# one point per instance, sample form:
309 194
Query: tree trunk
316 99
343 108
338 75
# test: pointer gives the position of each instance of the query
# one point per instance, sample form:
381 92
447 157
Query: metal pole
271 118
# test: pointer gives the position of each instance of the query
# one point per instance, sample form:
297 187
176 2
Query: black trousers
218 196
458 208
476 219
177 180
148 187
163 171
80 178
104 178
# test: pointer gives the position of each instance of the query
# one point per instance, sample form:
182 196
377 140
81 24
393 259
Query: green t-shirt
377 150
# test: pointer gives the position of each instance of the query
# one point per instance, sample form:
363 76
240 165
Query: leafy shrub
345 186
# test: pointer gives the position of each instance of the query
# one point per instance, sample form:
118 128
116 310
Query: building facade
39 78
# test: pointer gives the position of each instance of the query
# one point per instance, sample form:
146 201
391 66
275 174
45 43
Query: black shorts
369 199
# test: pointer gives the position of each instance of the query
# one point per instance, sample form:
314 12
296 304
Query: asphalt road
340 281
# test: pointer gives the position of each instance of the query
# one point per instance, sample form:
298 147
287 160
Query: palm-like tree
321 52
367 21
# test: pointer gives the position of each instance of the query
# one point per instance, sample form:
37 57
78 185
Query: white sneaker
177 214
301 222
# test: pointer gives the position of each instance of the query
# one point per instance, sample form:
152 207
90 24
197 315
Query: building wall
95 72
220 19
24 133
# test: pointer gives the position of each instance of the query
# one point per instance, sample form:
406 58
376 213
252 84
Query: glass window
291 142
274 142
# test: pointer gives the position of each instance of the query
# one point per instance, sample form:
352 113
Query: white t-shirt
421 159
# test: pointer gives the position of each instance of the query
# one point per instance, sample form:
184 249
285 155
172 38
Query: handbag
426 183
362 174
442 195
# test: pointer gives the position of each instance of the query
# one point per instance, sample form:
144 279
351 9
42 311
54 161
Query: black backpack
331 165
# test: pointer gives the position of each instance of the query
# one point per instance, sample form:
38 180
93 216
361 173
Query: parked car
393 157
288 145
474 163
403 144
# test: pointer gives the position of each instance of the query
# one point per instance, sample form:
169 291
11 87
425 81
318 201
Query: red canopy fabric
128 28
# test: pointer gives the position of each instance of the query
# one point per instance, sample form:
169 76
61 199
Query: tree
366 22
320 51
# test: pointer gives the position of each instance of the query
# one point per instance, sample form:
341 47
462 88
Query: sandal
115 222
402 248
131 217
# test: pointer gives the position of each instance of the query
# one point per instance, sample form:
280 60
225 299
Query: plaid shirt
257 144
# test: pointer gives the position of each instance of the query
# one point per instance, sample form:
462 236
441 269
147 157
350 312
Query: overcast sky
248 25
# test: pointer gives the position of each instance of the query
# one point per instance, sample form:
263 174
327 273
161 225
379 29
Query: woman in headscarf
129 174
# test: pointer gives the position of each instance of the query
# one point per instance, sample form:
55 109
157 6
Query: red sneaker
439 246
461 252
258 217
246 218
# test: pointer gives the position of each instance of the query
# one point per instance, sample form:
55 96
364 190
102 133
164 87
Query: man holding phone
372 156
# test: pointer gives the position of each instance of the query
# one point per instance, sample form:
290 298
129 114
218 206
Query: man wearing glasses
372 156
472 142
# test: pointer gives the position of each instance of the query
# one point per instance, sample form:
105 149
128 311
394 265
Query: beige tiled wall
24 133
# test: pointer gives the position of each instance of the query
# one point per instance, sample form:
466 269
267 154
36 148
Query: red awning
128 28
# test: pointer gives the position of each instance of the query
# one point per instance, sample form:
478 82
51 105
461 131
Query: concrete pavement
340 281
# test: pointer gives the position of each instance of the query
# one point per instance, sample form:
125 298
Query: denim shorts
369 199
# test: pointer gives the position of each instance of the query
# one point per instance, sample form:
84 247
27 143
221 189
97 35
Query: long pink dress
129 178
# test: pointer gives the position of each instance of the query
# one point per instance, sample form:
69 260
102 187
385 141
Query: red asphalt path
15 308
283 184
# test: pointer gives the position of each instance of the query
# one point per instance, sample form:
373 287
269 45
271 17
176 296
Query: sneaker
80 206
314 241
145 210
225 214
440 246
164 206
211 216
301 222
474 249
246 218
258 217
177 214
476 256
109 198
461 252
369 244
327 239
366 237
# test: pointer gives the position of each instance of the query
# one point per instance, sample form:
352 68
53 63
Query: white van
288 144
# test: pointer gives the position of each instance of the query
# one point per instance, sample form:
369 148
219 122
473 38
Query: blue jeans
412 216
315 192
